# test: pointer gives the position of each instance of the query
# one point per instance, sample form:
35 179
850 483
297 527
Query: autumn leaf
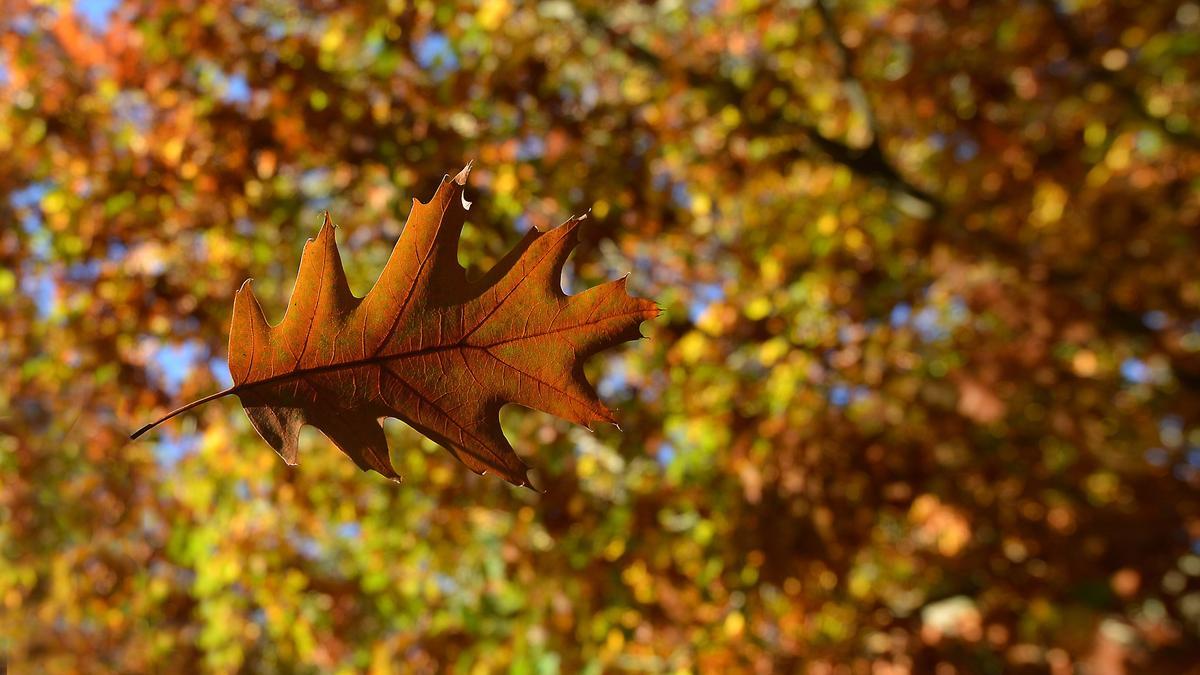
426 345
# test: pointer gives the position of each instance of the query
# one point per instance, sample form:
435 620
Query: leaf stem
177 411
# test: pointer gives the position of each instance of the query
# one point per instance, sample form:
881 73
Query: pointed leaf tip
327 227
461 178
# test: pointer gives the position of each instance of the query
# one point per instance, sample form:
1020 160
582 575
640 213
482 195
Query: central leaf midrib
383 358
370 360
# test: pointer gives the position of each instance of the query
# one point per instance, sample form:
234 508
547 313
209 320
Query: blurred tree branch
1081 50
869 162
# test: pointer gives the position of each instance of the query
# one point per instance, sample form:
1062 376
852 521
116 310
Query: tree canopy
924 397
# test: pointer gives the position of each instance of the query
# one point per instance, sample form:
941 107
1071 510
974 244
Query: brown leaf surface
426 345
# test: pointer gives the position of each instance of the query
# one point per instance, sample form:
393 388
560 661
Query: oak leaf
426 345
